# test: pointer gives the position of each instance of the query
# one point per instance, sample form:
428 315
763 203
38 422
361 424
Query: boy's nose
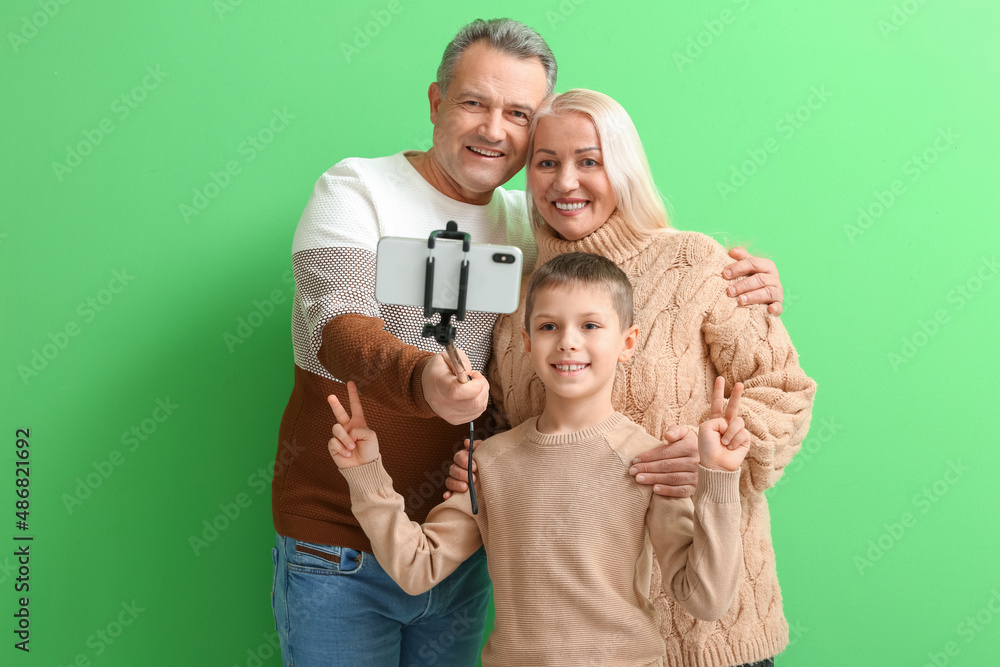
568 342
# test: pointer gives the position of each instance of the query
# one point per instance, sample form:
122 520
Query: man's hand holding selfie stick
457 396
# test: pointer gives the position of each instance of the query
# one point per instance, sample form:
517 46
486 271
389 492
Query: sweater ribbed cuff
718 486
370 479
417 388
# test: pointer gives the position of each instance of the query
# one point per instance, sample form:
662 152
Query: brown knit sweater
340 333
570 570
689 332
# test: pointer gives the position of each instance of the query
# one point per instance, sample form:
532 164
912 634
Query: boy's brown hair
583 269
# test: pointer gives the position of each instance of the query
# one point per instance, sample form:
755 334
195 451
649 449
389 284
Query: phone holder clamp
444 332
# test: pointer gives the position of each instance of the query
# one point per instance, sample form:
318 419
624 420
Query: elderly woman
591 190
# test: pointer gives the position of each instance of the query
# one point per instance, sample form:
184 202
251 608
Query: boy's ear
527 340
629 343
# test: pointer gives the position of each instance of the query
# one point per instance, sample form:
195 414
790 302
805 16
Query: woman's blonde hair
625 161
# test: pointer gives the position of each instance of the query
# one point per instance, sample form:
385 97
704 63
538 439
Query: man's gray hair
504 35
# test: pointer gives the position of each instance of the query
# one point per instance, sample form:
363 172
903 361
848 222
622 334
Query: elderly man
333 603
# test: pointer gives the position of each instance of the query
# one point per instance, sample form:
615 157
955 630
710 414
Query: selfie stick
444 330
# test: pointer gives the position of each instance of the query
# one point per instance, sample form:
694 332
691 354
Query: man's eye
472 103
520 114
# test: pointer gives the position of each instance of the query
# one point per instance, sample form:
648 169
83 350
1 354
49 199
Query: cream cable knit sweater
690 331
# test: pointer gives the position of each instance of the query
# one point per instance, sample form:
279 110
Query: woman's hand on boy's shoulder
671 468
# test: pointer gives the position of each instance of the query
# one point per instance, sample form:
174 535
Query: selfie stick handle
444 330
456 363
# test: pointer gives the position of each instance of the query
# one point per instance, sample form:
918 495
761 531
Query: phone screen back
400 269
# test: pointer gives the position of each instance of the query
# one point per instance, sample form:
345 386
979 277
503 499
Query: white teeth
570 207
570 367
483 151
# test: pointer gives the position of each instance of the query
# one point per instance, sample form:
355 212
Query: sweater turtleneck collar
615 239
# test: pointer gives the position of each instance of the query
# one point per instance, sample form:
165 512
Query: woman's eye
546 164
589 162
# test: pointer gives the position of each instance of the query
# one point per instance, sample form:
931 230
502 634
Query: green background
885 525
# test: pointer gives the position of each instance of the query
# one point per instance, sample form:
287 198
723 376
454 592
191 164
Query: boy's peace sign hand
353 443
723 441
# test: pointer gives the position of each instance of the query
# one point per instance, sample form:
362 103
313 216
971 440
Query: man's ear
434 97
527 341
629 344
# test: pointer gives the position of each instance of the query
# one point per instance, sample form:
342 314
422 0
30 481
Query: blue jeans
335 606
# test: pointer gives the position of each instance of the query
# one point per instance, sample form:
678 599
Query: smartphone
494 284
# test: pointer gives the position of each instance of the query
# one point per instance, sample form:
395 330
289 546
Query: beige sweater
569 541
690 331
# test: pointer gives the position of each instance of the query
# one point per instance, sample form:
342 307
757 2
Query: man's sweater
689 332
340 332
568 536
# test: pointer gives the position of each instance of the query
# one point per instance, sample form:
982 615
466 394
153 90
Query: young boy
569 535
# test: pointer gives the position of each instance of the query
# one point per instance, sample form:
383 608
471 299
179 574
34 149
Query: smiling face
481 122
575 341
569 185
